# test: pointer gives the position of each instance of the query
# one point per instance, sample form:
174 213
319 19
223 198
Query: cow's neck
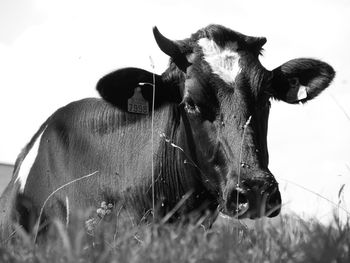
189 136
177 174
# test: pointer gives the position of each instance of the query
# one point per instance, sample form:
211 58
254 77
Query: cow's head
224 91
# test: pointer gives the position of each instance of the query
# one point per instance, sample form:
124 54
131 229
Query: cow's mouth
247 203
236 205
242 209
240 212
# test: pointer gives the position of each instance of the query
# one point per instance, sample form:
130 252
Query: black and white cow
210 124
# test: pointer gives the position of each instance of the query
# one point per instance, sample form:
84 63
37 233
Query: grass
287 239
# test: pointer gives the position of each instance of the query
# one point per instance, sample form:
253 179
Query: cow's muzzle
253 199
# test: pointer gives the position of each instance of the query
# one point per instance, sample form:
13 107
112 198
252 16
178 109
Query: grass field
289 239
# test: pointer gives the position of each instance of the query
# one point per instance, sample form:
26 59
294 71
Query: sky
54 52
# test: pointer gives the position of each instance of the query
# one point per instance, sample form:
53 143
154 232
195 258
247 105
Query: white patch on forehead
224 62
28 163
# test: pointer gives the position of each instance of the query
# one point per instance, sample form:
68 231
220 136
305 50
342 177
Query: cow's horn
256 42
168 46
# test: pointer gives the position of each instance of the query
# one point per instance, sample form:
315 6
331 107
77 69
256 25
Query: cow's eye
190 106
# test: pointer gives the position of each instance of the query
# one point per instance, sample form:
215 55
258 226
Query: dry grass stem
54 192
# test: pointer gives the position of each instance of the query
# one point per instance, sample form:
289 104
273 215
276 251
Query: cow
194 144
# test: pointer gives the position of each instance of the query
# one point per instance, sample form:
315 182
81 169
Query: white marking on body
27 163
224 62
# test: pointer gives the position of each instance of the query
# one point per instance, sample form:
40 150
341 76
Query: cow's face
226 97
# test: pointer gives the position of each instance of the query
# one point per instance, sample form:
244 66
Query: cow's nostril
273 203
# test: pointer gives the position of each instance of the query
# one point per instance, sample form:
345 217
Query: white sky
53 52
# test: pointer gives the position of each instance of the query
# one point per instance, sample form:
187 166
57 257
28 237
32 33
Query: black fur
203 140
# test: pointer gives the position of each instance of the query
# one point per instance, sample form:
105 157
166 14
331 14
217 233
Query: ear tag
302 93
137 104
297 94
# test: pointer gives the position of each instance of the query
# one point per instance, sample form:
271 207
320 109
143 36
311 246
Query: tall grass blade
50 195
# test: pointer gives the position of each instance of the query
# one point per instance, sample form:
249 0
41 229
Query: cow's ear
121 85
300 80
